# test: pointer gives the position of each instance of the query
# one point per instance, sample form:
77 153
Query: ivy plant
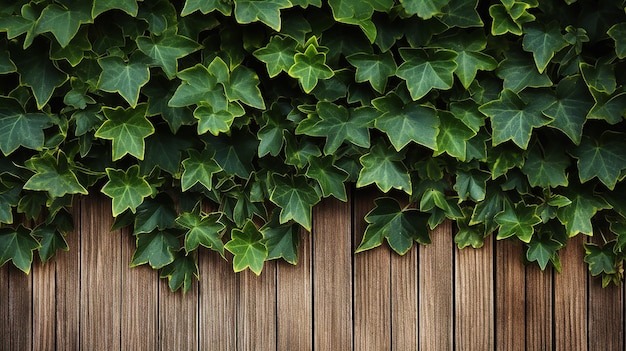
220 125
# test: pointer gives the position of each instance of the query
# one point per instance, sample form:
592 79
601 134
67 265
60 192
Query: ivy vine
506 117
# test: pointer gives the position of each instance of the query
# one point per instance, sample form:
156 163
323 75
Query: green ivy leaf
248 247
166 49
518 72
383 166
9 198
235 153
400 226
100 6
519 220
570 108
453 136
17 245
243 85
471 184
543 41
600 259
180 272
542 249
156 249
158 213
601 157
618 32
462 13
545 166
126 188
19 128
202 230
206 6
199 85
127 128
423 72
468 235
54 174
164 151
373 68
217 122
330 178
51 241
600 78
424 9
281 239
404 123
512 118
125 78
199 168
64 22
278 54
611 108
309 67
296 197
266 11
576 217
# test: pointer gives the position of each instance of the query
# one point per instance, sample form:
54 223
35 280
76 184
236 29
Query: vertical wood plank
68 274
372 286
20 322
295 301
217 308
570 298
404 301
140 324
257 310
100 307
539 306
5 336
332 274
510 296
44 304
436 294
178 318
474 299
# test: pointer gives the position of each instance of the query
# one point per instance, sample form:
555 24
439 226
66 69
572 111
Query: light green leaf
18 128
309 67
618 33
518 72
206 6
296 198
468 235
600 259
248 247
166 49
408 122
543 41
424 8
373 68
53 174
64 22
156 249
542 249
519 220
602 157
243 85
453 136
17 245
127 128
423 72
383 166
545 166
514 119
202 230
278 54
266 11
180 272
576 217
462 13
570 108
100 6
330 178
125 78
281 239
217 122
199 86
126 188
400 226
199 168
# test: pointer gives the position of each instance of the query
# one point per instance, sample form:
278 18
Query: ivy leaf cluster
220 125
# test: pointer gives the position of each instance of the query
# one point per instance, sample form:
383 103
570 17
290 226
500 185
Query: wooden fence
435 297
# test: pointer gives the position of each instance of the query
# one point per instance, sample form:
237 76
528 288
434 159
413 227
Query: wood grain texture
217 308
295 300
256 314
332 274
5 336
436 294
539 306
510 296
20 321
139 290
372 286
178 318
68 273
404 301
44 305
570 298
474 298
100 300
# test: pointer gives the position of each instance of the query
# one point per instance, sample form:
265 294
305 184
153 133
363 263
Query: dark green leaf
266 11
278 54
166 49
518 72
51 241
602 157
125 78
545 166
19 128
296 197
600 259
64 22
330 178
570 108
373 68
54 174
383 166
576 217
156 249
206 6
17 245
424 72
158 213
543 41
281 239
205 230
128 6
199 168
181 272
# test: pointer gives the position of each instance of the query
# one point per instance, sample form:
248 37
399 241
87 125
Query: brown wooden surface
435 297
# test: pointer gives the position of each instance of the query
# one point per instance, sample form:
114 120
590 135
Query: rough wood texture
436 294
510 296
20 322
404 301
178 319
257 310
44 305
539 306
4 307
332 269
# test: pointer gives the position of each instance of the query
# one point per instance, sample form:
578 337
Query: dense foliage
504 116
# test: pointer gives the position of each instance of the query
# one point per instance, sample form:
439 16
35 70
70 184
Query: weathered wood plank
68 273
372 285
404 301
20 322
5 336
510 296
257 310
474 298
44 305
436 294
140 323
539 306
295 301
332 276
217 310
178 318
570 298
100 300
